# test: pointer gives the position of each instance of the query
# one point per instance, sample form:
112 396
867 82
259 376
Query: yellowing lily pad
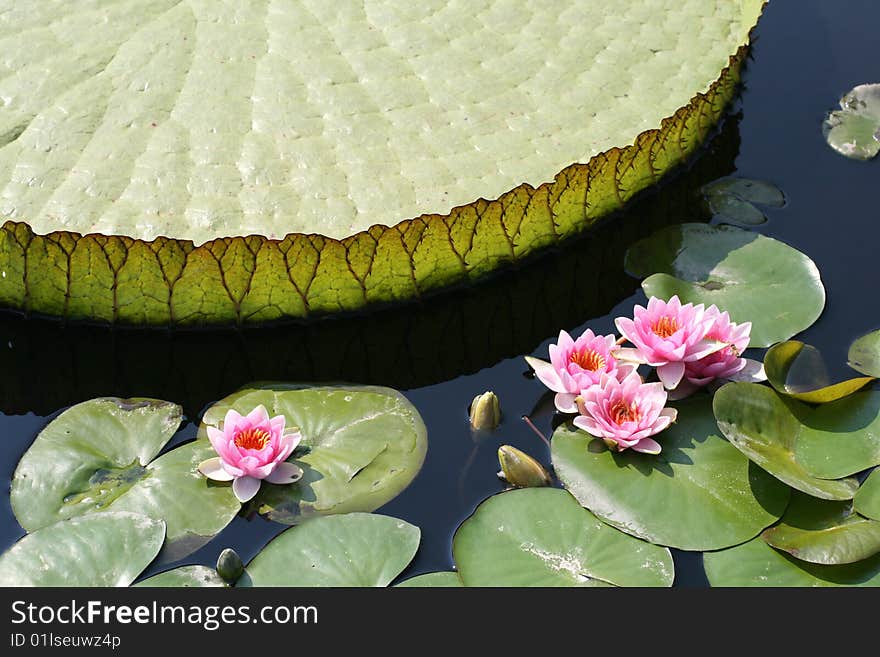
543 537
102 455
755 278
698 493
361 446
797 370
758 423
99 549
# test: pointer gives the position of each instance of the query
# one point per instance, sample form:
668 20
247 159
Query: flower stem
532 426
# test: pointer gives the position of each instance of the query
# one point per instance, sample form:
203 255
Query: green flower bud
229 566
520 469
485 411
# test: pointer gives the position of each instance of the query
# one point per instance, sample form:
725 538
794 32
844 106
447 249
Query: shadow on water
45 365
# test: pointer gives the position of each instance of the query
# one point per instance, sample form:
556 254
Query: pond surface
447 349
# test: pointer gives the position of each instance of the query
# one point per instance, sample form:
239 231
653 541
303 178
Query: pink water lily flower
252 448
624 414
575 365
667 335
724 364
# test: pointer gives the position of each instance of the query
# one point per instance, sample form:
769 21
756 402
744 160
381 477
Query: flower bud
485 413
520 469
229 566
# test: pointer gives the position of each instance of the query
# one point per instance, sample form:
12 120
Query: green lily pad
99 549
854 130
185 576
757 564
733 200
433 580
698 493
864 354
755 278
361 446
355 549
543 537
758 423
841 438
867 500
98 455
797 370
824 532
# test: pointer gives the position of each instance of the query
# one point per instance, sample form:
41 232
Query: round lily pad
797 370
825 532
854 129
755 278
841 438
355 549
433 580
361 446
543 537
757 564
757 421
185 576
98 455
698 493
99 549
864 354
867 499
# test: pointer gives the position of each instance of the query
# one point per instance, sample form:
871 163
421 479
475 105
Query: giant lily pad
99 549
277 160
825 532
757 564
755 278
361 446
185 577
99 455
699 493
797 370
542 537
864 354
867 500
761 426
841 438
355 549
854 129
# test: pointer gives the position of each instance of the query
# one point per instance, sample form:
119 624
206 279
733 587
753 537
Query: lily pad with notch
361 446
101 455
733 200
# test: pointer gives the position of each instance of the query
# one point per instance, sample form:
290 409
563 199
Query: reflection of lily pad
98 455
186 577
825 532
355 549
755 278
864 354
756 420
361 446
733 200
757 564
433 580
699 493
854 129
797 370
99 549
841 438
867 500
542 537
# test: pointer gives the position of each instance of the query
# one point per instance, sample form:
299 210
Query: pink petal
647 446
546 374
285 473
258 416
245 488
670 374
213 469
565 402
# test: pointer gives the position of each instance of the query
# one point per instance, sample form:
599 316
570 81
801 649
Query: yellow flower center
588 359
665 326
622 412
252 439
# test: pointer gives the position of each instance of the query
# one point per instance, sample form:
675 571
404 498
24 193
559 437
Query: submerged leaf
755 278
543 537
797 370
854 130
732 200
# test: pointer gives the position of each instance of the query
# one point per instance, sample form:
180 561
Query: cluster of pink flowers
690 347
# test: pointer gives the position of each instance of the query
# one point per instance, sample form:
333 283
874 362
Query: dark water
445 350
